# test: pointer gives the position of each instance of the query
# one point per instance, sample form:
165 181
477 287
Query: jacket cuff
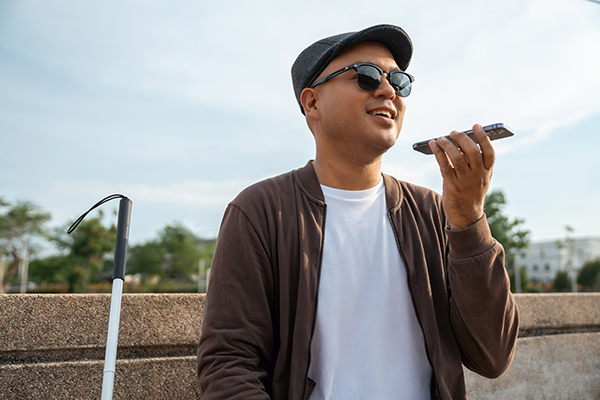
471 241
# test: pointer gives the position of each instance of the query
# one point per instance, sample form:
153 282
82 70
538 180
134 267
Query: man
335 281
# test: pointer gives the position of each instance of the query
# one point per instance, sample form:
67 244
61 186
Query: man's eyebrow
394 68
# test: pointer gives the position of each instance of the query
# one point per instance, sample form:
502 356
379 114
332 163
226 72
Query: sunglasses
369 77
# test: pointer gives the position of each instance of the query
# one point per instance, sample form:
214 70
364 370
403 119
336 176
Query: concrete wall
52 347
558 351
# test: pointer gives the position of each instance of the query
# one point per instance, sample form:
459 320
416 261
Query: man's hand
466 173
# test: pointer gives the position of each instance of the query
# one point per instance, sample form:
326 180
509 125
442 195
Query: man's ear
309 98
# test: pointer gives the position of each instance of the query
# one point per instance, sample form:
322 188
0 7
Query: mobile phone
494 132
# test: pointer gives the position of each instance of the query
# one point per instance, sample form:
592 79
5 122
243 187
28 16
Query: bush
562 282
589 276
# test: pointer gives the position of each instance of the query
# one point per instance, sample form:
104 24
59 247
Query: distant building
543 260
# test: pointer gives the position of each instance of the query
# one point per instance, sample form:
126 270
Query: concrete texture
564 311
558 351
546 367
38 322
52 347
148 378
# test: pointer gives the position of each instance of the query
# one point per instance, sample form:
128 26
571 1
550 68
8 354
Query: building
543 260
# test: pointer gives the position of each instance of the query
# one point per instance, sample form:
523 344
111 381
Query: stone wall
52 347
558 351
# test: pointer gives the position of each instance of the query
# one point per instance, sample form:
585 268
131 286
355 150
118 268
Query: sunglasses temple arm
330 76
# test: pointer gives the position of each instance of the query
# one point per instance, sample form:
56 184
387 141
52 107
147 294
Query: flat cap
315 58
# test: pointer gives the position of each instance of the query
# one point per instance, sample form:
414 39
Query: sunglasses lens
401 83
368 77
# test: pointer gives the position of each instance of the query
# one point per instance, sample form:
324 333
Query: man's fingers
442 159
461 155
485 144
456 156
469 149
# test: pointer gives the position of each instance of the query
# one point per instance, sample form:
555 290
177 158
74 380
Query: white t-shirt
367 342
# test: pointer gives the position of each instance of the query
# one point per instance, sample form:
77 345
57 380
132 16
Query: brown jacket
262 299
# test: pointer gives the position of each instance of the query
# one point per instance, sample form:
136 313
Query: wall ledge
53 347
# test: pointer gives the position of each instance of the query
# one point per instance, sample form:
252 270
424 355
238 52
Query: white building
543 260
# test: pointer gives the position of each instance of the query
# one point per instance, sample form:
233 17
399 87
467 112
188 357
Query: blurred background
180 105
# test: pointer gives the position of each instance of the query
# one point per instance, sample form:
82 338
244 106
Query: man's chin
383 144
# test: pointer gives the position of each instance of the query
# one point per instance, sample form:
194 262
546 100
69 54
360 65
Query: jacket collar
306 178
393 193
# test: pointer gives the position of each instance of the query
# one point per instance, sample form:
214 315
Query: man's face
353 121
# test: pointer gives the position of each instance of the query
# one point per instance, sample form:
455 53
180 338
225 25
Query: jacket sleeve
483 312
235 348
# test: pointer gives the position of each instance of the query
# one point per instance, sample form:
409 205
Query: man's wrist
471 241
463 223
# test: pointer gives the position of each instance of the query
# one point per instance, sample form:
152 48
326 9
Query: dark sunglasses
369 76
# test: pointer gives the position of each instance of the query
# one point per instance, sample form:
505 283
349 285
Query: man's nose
385 88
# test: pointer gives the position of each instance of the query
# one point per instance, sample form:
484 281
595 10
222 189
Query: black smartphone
494 131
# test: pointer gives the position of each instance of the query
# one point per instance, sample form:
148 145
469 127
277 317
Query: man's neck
347 176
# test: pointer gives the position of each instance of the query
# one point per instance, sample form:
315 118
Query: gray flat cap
315 58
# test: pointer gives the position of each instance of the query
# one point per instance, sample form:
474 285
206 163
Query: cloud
194 99
190 193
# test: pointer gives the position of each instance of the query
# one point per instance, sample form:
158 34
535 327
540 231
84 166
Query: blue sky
180 105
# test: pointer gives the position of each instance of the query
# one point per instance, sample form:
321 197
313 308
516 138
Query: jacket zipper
314 318
412 297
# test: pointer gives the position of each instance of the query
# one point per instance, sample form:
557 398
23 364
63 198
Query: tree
562 283
589 276
52 269
85 252
173 258
146 259
569 244
504 229
182 251
20 225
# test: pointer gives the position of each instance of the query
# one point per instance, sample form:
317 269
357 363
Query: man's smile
383 111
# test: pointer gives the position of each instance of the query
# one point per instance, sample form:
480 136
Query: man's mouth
382 112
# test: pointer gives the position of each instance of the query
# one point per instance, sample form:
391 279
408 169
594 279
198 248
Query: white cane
110 357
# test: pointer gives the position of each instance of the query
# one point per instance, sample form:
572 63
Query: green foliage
78 279
170 262
146 259
562 282
53 269
589 276
86 253
20 225
91 243
182 252
505 230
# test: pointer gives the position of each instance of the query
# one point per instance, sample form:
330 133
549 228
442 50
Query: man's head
352 94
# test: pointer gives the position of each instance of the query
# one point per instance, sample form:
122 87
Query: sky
180 105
